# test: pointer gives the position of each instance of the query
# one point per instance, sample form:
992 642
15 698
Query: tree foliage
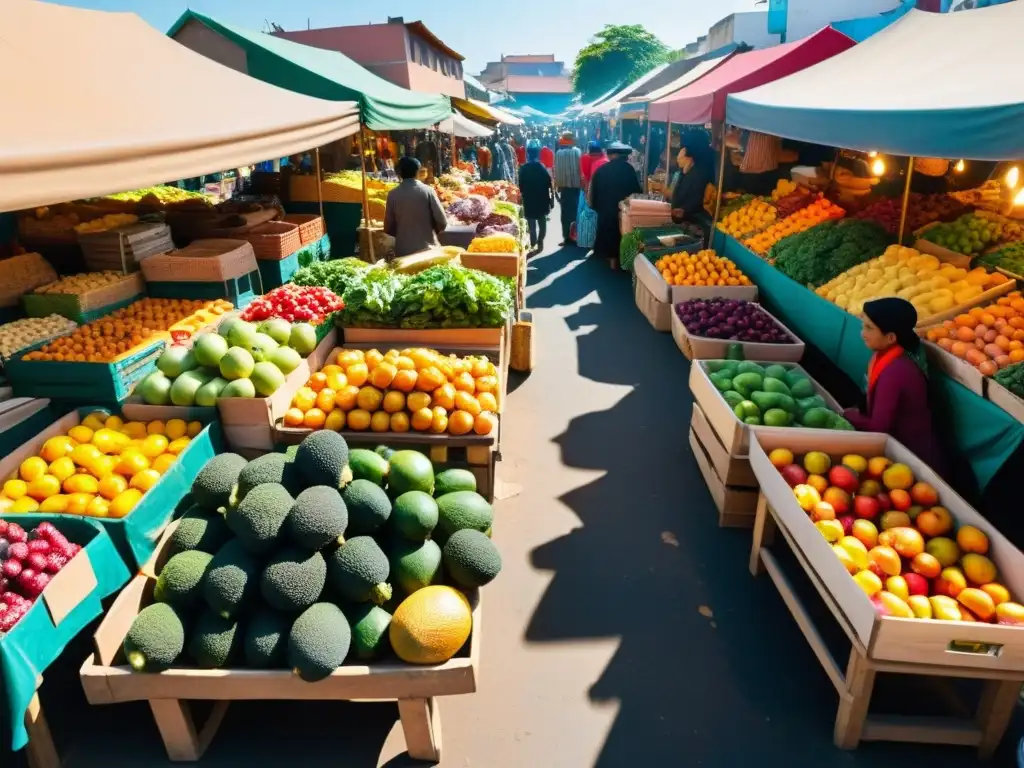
616 56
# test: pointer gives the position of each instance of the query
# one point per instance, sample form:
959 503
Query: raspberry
4 547
27 582
36 561
40 582
72 550
45 530
3 527
39 545
11 569
55 561
18 551
15 533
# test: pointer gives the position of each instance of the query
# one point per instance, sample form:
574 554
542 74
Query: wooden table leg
41 752
998 699
853 709
421 723
764 535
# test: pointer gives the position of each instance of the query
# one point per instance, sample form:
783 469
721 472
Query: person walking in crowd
484 160
591 161
612 183
537 195
413 214
520 148
568 183
547 158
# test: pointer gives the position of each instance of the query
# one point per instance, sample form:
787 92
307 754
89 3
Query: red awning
704 100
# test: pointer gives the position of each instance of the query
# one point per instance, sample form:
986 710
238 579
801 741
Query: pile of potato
21 334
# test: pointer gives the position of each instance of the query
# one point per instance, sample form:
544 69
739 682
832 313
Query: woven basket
204 261
274 240
311 226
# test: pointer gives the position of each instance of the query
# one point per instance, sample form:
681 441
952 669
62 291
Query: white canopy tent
611 103
464 128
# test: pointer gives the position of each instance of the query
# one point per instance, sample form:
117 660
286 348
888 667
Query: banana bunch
989 196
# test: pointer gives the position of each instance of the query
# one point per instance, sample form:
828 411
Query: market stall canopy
611 103
639 103
77 135
704 100
477 110
464 128
932 103
317 72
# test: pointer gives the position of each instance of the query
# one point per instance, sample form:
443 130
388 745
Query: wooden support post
764 533
366 195
668 158
182 740
720 187
319 181
906 198
647 154
853 708
40 752
439 454
998 700
421 724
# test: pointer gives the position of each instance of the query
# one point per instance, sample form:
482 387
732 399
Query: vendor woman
696 161
897 396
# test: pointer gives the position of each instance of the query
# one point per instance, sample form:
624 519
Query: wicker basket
203 261
274 240
311 226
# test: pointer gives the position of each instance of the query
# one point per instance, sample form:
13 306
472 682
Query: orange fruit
460 423
345 398
304 399
480 368
404 363
393 402
464 382
485 423
293 417
383 375
357 374
422 358
358 420
430 379
369 399
193 428
314 418
466 402
112 485
487 383
416 401
337 380
156 428
373 358
335 420
445 396
439 420
399 422
325 400
488 402
45 486
422 419
317 381
405 380
137 430
349 357
176 428
380 421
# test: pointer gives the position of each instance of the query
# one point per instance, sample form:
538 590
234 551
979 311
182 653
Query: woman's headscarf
896 316
533 150
696 145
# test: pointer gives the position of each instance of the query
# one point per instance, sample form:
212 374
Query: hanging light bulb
872 154
878 167
1013 177
960 166
1019 199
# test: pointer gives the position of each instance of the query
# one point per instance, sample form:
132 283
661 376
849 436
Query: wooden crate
451 339
735 505
107 679
990 653
658 313
673 294
124 248
1005 399
702 348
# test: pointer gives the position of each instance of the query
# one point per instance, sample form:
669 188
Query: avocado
793 376
733 398
319 517
266 638
199 530
358 571
753 421
367 465
180 579
734 352
415 564
765 401
369 624
801 388
451 480
776 371
807 403
410 471
269 468
215 482
293 580
156 638
318 642
721 381
368 507
322 459
213 641
775 385
748 383
714 366
460 510
471 558
750 367
232 579
747 410
258 520
776 417
817 418
788 404
414 515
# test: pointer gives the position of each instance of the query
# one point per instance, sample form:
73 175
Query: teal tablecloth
983 433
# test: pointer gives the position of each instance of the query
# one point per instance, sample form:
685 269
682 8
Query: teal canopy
327 75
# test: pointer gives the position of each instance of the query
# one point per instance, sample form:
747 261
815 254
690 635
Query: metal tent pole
721 186
366 196
906 198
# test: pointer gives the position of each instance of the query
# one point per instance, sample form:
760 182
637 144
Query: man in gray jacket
413 215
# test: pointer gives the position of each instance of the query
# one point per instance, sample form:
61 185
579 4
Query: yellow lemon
15 489
131 462
194 428
177 446
78 503
111 486
81 484
335 420
135 430
31 468
154 445
109 441
145 480
56 504
102 466
24 504
62 468
175 428
124 503
115 423
98 507
82 433
84 455
56 447
162 463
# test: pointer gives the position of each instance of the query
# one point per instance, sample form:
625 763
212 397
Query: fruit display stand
993 654
501 265
703 348
276 272
658 313
88 306
673 294
135 535
107 679
206 269
71 600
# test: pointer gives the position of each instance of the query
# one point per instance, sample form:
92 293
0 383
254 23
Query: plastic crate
276 273
240 291
341 221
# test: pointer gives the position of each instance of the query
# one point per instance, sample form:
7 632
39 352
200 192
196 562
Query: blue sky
481 30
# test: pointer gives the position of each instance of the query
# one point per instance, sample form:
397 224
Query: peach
978 569
844 478
916 583
857 463
857 551
832 530
885 561
846 560
888 604
978 602
895 519
900 500
898 477
934 522
1011 614
951 582
781 457
823 511
866 507
920 605
944 550
944 608
966 615
869 488
806 497
924 494
866 532
884 502
794 475
818 483
838 498
847 521
997 592
926 565
877 466
972 539
906 541
817 463
898 586
869 582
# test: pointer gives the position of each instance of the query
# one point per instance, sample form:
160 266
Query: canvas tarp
87 115
914 88
704 100
640 103
463 127
327 75
477 110
610 104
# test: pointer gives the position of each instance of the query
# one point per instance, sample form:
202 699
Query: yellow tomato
98 507
135 430
162 463
55 504
335 420
78 503
304 399
84 455
102 466
56 447
43 487
154 445
131 462
81 433
156 428
95 420
176 428
62 468
81 484
24 504
31 468
194 428
112 485
15 489
175 447
109 441
145 480
336 380
124 503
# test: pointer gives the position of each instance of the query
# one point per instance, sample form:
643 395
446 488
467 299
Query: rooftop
537 84
528 58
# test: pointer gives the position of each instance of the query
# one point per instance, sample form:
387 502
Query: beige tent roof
102 102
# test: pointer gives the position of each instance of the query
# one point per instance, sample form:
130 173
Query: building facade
538 81
750 29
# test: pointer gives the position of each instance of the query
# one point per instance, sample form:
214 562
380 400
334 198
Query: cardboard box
134 409
980 646
702 348
658 313
956 368
1005 399
737 507
733 433
732 470
673 294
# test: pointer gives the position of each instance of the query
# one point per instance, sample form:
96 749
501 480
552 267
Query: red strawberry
15 533
36 561
55 561
42 546
18 551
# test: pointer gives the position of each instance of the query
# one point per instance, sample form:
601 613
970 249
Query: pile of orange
819 211
989 338
398 391
136 325
102 467
702 268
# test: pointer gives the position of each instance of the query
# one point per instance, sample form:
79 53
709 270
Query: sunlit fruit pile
908 553
82 282
28 331
753 217
931 286
100 468
28 561
702 268
294 303
989 338
974 232
136 325
104 223
417 389
815 213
